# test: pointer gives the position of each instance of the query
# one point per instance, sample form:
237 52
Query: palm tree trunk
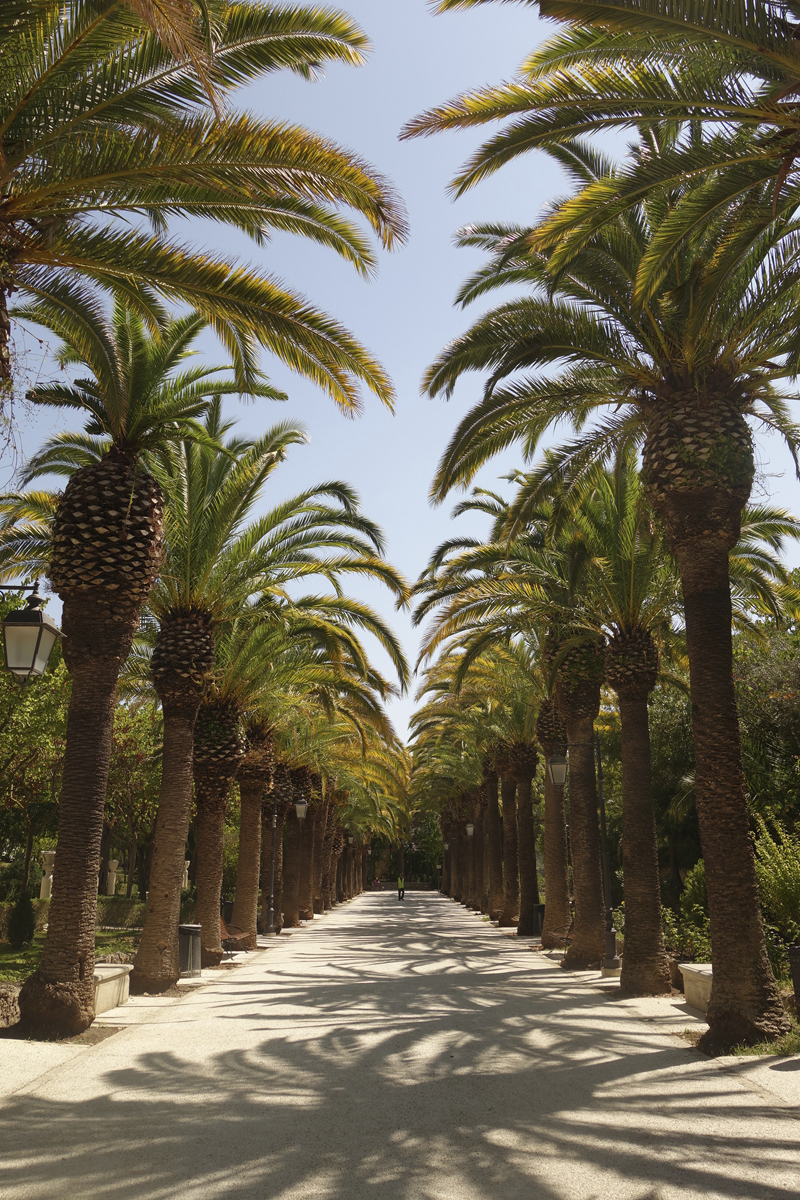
526 850
481 891
556 867
745 1004
329 869
209 828
58 997
447 859
645 970
700 496
456 864
508 792
291 871
494 854
470 889
588 941
245 904
320 830
306 893
157 963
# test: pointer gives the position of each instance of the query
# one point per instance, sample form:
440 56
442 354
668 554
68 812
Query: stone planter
696 984
111 985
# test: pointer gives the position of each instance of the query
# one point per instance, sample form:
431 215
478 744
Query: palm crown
103 126
724 76
726 334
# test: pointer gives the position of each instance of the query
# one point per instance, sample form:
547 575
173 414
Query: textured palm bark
479 839
470 881
645 969
457 864
359 870
291 871
447 835
183 657
282 791
329 859
58 998
157 963
211 793
494 848
698 467
745 1004
508 793
588 940
320 829
526 851
556 866
245 904
307 838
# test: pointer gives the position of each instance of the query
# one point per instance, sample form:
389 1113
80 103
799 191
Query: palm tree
682 374
215 559
102 122
103 556
724 76
629 597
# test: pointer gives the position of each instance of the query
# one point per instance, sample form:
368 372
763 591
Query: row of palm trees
527 630
245 671
115 119
659 306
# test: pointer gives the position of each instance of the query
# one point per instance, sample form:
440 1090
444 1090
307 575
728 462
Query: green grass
788 1044
17 965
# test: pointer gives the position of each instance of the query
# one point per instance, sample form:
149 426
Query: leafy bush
21 922
689 939
694 898
11 879
778 871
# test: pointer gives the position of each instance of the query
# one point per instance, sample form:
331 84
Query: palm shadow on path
415 1054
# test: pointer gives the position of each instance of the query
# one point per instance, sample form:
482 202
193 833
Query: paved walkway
407 1052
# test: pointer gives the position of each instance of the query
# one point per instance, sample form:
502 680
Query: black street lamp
301 808
557 766
29 635
470 829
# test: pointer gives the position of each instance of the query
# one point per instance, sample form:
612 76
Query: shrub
689 939
694 899
778 871
21 922
11 879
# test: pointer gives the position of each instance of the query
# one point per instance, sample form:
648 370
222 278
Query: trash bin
538 919
189 949
226 911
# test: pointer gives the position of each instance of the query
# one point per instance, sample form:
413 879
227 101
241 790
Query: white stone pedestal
48 862
111 878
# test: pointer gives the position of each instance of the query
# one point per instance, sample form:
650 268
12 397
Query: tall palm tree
101 123
682 375
103 556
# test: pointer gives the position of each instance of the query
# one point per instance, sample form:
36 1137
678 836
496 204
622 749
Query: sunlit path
402 1051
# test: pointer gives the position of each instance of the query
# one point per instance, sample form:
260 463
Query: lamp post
301 808
29 635
470 829
557 766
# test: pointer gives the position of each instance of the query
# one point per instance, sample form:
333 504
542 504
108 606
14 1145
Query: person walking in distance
401 887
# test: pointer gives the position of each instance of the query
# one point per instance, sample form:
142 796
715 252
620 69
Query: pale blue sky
406 315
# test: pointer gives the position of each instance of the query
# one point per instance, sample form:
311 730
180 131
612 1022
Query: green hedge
113 912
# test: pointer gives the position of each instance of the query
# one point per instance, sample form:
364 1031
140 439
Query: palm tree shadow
350 1067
